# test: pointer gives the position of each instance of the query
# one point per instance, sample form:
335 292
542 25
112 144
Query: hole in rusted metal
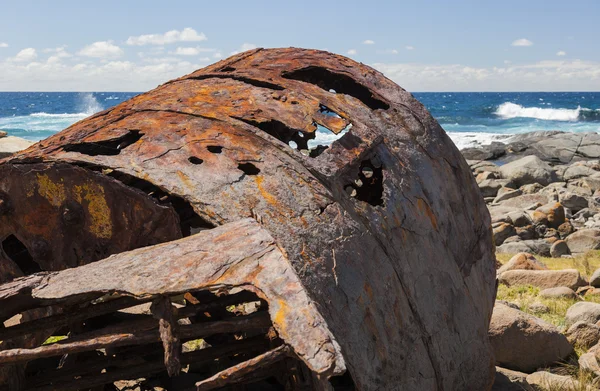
282 132
18 253
368 187
228 69
343 382
189 220
248 168
109 147
214 149
195 160
338 82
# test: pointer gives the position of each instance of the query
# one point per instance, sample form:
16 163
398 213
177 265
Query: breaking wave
509 110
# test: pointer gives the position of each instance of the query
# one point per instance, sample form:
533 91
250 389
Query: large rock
538 247
583 311
490 187
11 144
522 261
560 292
552 215
508 380
523 342
530 169
595 279
559 248
583 334
502 232
547 381
584 240
543 278
573 201
525 201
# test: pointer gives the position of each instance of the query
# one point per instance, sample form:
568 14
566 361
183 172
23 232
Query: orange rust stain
185 179
425 209
281 315
266 195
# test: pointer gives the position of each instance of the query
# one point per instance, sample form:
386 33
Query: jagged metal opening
189 220
368 186
248 168
108 148
338 82
18 253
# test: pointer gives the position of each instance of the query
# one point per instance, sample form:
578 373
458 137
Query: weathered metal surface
385 229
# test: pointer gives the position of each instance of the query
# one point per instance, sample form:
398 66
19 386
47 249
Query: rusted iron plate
239 254
385 229
66 216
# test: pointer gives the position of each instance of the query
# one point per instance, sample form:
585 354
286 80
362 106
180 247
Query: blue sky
422 45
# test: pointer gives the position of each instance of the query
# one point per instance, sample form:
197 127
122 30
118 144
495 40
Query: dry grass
526 296
586 263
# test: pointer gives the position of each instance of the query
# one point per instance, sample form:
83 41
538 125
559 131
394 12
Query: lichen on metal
372 256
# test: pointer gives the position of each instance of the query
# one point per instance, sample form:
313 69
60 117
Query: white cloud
574 75
368 42
521 42
352 52
3 45
217 55
187 51
507 62
388 51
101 49
25 55
58 53
408 47
561 53
185 35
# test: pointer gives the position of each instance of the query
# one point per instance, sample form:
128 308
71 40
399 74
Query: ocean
470 118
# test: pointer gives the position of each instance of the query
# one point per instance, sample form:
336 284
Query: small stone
595 279
560 292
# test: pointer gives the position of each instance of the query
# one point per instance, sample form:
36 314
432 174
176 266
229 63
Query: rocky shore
543 193
542 190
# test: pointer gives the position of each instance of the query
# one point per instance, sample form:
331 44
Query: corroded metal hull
373 256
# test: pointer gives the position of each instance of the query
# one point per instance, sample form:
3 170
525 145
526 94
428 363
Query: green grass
54 339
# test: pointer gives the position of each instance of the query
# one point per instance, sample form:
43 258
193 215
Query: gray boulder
559 248
490 187
543 381
538 247
595 279
576 171
573 201
584 240
529 169
523 342
507 380
583 311
522 261
582 334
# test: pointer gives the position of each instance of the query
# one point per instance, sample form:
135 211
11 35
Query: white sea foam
512 110
474 139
